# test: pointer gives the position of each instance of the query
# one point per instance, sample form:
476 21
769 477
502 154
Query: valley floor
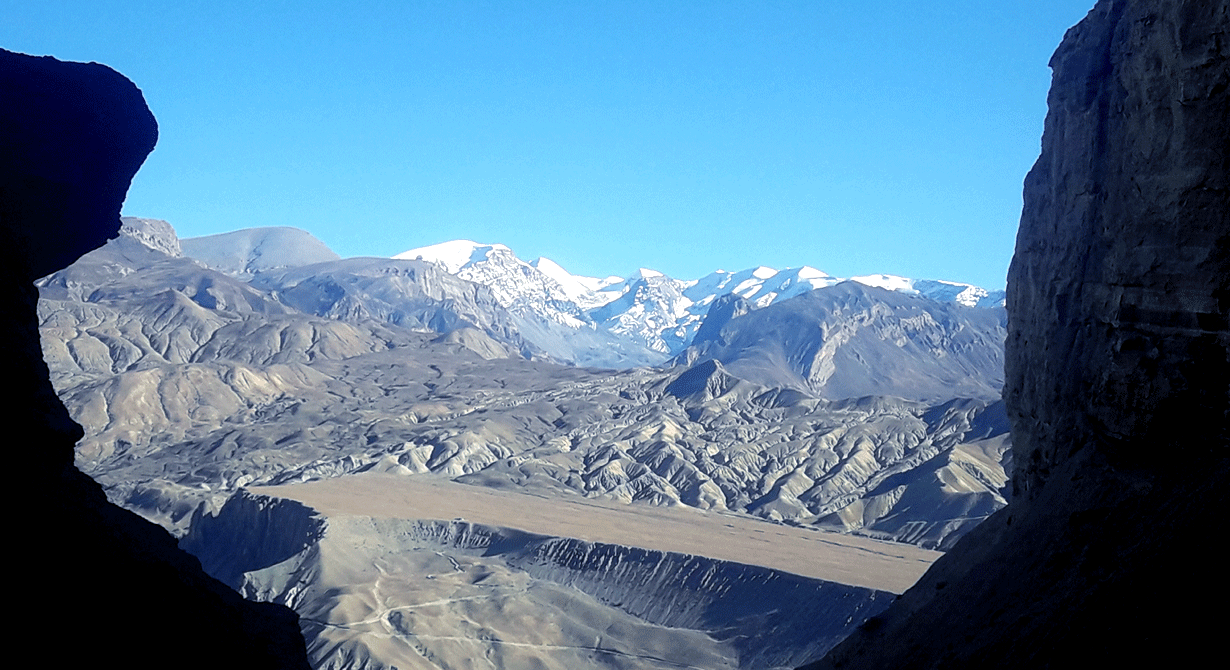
832 557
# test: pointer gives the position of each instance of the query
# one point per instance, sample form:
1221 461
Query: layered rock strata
72 135
1117 373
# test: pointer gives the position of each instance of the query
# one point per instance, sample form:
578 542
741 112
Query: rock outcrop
72 136
1117 373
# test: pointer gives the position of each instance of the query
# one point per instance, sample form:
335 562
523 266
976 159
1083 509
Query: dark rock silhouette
1117 374
104 583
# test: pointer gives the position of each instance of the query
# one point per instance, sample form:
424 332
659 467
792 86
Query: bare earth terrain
417 571
832 557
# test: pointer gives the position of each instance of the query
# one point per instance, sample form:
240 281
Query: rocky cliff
1119 282
71 137
1117 372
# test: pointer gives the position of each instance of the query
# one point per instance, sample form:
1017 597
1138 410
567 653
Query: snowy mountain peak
579 289
938 290
962 294
889 282
550 268
454 255
808 272
542 294
647 309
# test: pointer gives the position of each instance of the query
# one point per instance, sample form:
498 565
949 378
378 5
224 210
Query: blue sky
856 137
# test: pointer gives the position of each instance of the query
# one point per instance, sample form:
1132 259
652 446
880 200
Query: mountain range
658 313
265 360
114 321
643 319
194 388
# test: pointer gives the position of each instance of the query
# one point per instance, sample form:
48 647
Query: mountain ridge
643 319
398 355
194 384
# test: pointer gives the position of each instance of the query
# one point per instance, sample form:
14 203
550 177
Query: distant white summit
246 253
762 286
522 287
938 290
581 289
653 310
455 255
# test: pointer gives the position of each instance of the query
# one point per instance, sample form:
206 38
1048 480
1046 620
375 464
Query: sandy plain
833 557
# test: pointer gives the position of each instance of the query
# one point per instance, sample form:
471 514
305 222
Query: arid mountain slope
383 581
852 340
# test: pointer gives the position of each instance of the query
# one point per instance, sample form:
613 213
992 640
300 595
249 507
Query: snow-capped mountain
664 313
587 292
651 309
550 304
938 290
518 286
656 313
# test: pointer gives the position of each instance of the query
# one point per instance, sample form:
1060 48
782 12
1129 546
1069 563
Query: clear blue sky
856 137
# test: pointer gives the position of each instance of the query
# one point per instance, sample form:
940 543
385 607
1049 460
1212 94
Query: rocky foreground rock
99 582
1118 361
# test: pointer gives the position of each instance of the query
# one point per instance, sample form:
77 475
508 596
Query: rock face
1119 282
1117 361
71 137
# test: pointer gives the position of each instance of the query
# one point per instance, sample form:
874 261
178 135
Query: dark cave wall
104 582
1117 374
1117 292
72 135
